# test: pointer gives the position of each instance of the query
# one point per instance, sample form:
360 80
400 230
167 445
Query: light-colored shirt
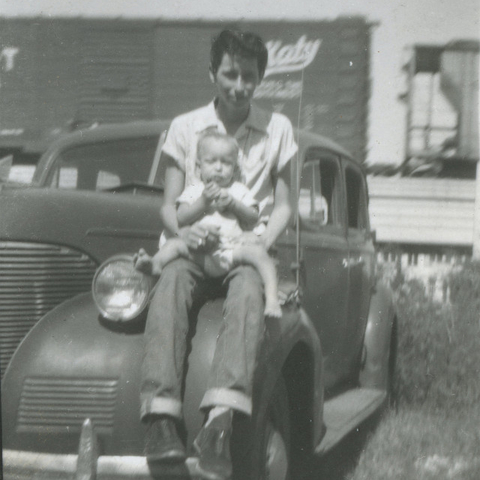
266 142
227 222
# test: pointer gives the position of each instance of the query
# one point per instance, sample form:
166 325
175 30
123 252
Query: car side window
320 193
357 206
103 165
66 178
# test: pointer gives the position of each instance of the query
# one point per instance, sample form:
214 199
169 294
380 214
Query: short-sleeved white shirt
266 142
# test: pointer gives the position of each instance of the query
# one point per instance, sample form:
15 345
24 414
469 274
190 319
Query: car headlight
120 292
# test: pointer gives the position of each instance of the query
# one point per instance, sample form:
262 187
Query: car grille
34 278
62 404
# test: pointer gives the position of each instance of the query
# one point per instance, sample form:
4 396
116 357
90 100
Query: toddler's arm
246 214
187 214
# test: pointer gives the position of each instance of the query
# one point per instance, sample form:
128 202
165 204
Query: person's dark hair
243 44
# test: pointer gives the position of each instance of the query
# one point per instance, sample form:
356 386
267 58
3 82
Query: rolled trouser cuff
161 406
225 397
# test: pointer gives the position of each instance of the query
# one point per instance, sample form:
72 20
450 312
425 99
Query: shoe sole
176 456
204 473
196 471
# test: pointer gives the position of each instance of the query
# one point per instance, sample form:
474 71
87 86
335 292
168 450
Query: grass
434 432
417 444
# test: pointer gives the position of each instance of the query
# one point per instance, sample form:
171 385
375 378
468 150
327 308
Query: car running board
344 413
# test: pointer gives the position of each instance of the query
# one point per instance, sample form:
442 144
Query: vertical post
476 218
428 126
410 95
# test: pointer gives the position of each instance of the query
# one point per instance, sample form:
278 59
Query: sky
401 23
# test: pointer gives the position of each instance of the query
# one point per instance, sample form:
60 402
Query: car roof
151 127
144 128
306 140
111 132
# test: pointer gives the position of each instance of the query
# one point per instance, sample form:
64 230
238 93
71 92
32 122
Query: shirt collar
256 120
208 119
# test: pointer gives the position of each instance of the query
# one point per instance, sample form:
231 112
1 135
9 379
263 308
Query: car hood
99 224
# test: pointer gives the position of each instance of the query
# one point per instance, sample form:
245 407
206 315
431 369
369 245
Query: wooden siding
422 210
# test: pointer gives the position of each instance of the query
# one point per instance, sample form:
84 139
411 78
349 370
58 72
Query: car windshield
104 165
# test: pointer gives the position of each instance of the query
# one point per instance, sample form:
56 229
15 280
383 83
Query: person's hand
200 237
224 201
212 239
211 192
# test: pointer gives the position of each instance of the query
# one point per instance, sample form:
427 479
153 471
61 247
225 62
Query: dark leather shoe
212 446
162 444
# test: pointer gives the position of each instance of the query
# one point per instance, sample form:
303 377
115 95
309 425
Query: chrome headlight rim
146 280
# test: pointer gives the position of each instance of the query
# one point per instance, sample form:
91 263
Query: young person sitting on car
226 205
266 146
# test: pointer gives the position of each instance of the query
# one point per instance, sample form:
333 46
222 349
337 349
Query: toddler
226 207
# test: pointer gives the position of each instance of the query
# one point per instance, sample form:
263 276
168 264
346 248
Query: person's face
236 80
217 161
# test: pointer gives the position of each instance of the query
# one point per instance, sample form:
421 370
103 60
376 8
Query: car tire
268 454
276 445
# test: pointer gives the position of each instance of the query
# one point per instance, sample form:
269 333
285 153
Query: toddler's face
217 161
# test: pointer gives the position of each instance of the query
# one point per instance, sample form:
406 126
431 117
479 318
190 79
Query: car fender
292 349
74 362
378 338
75 350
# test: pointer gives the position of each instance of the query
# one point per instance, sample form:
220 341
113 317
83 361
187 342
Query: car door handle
345 263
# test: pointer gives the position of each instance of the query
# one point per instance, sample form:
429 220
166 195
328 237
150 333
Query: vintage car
70 393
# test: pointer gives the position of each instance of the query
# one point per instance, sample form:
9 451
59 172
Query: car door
360 262
324 255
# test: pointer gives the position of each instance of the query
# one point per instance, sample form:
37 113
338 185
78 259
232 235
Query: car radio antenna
297 190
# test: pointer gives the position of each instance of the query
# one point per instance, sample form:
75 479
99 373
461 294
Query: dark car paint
98 224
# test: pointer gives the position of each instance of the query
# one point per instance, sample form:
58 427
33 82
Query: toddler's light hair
215 134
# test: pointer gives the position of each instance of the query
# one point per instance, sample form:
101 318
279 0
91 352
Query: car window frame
47 178
364 231
318 154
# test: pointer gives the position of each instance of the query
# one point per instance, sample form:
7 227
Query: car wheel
261 451
275 448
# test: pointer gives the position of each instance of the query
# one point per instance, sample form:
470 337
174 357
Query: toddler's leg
171 250
258 257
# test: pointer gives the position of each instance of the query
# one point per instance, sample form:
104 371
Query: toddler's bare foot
143 262
273 309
